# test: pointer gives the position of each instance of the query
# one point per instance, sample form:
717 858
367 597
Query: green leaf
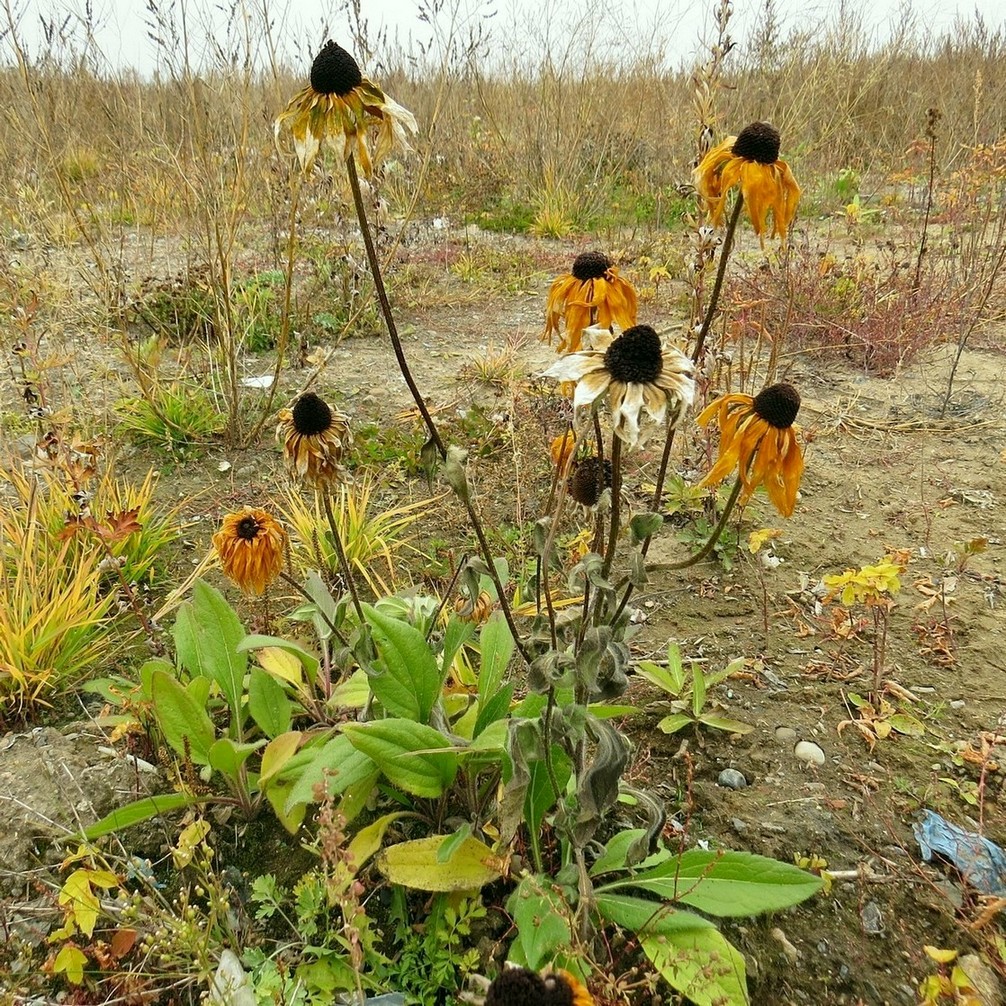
644 525
142 810
185 725
278 752
452 843
658 676
719 722
409 680
351 693
726 883
691 954
413 756
542 920
336 763
615 855
268 703
698 690
493 709
458 633
540 798
496 646
227 756
675 722
71 962
417 865
907 724
207 634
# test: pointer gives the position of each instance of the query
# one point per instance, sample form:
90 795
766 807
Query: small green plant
689 689
175 417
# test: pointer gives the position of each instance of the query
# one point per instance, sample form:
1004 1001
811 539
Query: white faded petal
573 366
589 387
654 401
597 338
626 404
403 120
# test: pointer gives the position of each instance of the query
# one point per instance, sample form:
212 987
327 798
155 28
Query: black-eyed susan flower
250 544
750 160
758 438
592 293
314 436
638 373
338 105
522 987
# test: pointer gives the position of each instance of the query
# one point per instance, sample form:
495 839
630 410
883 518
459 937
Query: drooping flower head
750 160
250 544
338 105
758 438
592 293
314 436
637 371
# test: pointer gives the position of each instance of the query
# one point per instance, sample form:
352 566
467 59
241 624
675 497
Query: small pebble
785 735
809 753
738 825
872 919
732 779
957 704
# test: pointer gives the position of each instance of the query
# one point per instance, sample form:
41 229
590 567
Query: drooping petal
573 366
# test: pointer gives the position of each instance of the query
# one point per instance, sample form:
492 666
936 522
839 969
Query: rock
732 779
809 753
785 735
872 918
983 980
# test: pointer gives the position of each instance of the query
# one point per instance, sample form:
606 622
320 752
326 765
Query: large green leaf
496 646
183 721
542 920
268 703
616 853
207 634
726 883
409 680
307 659
227 756
690 953
335 763
417 864
142 810
414 757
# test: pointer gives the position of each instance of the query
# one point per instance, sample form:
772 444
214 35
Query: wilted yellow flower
338 105
314 438
591 294
561 451
250 544
750 160
758 438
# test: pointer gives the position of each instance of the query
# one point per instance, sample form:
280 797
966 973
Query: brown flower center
311 415
516 987
559 991
778 405
635 356
334 71
758 142
248 528
589 478
590 265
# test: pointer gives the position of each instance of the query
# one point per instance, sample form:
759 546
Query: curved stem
343 559
382 296
299 587
728 240
714 537
616 492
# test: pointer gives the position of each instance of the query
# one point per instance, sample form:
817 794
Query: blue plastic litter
981 863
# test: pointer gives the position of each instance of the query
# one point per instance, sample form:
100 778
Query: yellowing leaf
188 841
757 539
940 955
416 864
282 663
70 962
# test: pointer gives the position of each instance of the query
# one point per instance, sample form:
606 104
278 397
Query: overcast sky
675 26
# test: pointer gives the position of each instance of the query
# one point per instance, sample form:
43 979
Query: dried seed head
590 265
635 356
588 480
311 415
778 405
758 142
248 528
334 71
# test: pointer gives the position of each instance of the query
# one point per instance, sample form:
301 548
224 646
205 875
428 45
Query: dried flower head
251 544
315 437
338 105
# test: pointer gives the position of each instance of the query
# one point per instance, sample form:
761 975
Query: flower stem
728 240
343 559
616 492
382 296
299 587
